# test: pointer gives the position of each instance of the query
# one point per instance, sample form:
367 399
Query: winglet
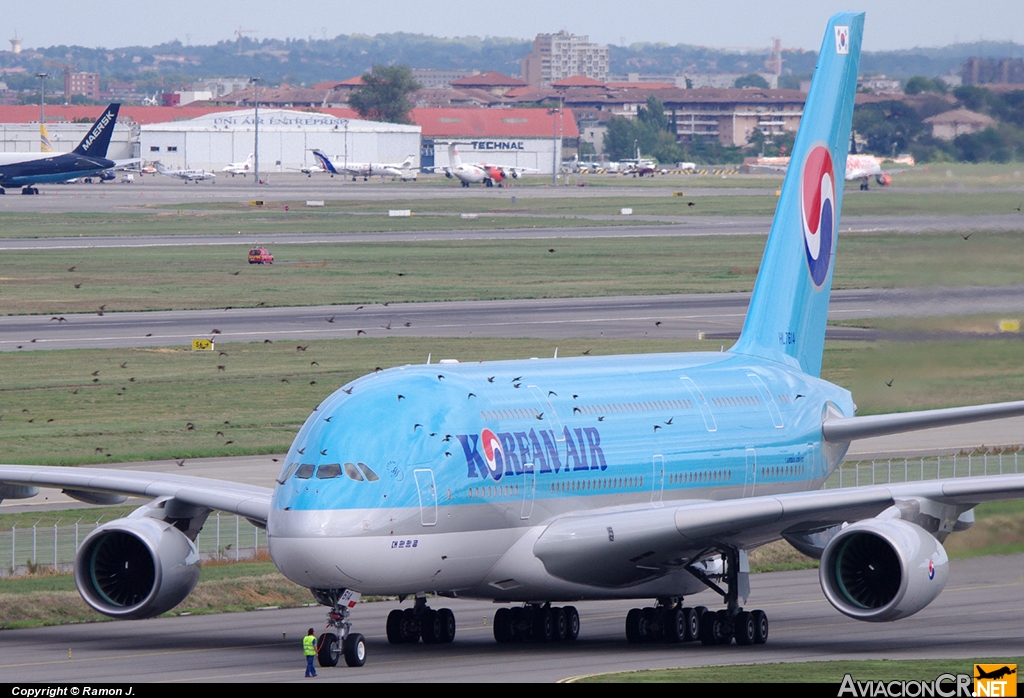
789 306
96 141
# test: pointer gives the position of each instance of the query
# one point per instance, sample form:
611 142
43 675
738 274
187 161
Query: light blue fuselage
401 496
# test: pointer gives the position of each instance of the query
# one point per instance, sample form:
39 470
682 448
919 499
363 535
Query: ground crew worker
309 650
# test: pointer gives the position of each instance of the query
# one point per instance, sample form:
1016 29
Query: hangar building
286 138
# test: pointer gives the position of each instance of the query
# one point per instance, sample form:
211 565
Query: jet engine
883 180
136 568
882 569
515 174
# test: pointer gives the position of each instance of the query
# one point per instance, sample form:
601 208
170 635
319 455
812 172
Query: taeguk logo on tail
818 211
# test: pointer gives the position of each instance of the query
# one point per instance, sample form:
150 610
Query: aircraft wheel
760 627
410 626
560 624
543 626
572 623
713 630
675 625
430 627
394 627
503 625
330 650
692 620
634 619
746 629
447 624
355 650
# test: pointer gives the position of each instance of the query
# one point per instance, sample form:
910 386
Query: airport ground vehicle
260 255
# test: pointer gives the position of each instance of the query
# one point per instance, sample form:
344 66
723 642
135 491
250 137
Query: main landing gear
408 625
536 622
670 621
331 646
29 191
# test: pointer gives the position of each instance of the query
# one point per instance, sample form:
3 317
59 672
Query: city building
87 84
562 55
957 122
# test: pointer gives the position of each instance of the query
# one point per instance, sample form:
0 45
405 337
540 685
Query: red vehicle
260 255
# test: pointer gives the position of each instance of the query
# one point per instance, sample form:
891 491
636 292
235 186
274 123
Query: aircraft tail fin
453 156
325 162
97 140
44 140
789 307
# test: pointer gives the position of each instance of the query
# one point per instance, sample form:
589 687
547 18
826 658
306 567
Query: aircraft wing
620 547
249 501
124 164
850 428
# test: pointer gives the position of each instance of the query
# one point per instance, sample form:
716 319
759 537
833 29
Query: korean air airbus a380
538 483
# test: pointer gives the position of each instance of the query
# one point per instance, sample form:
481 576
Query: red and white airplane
858 167
478 173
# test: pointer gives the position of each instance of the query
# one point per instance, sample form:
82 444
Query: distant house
491 81
957 122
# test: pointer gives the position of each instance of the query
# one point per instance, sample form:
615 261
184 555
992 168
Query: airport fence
32 548
882 471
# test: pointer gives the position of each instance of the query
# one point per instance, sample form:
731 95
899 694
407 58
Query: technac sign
507 453
498 145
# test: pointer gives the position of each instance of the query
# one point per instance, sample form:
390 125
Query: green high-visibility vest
309 646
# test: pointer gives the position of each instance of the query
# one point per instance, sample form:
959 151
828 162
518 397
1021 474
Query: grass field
806 672
577 205
176 278
54 410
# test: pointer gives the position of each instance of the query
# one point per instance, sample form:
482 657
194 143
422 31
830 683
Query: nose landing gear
331 646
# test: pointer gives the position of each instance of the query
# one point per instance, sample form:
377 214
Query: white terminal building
286 140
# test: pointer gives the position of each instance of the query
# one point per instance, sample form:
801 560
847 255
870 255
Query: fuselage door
548 410
529 487
769 401
658 481
702 404
427 495
751 479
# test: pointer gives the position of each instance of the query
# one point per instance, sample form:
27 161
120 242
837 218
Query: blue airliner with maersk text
25 170
542 482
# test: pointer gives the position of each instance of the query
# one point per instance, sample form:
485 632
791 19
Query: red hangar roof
435 122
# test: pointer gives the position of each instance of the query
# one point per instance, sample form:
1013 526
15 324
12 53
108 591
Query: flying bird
314 363
327 419
888 383
359 332
221 368
471 395
331 318
491 379
125 364
58 319
190 426
577 410
401 397
965 237
301 348
71 268
690 203
78 285
669 422
323 452
586 353
347 391
215 331
440 377
180 463
301 450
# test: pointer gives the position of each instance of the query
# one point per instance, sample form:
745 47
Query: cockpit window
353 472
328 471
305 471
286 472
370 475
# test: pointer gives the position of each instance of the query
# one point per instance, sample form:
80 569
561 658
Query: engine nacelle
136 568
883 180
882 569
